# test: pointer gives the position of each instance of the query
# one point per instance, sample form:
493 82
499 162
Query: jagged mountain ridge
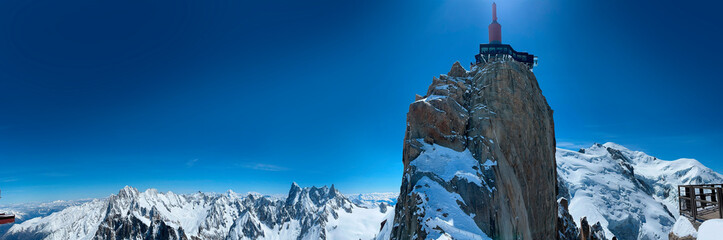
307 213
633 195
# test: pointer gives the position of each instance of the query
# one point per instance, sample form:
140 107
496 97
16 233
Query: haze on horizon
251 96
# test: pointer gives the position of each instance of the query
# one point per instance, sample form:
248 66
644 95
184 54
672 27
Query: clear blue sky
213 95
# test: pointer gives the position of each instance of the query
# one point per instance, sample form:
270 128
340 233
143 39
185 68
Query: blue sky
214 95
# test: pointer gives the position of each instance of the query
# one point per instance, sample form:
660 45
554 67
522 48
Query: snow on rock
386 227
711 230
442 216
449 164
683 228
566 228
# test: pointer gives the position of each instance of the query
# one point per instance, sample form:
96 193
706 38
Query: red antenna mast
495 29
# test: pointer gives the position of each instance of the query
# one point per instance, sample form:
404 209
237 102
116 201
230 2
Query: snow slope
711 230
83 220
373 199
25 211
632 194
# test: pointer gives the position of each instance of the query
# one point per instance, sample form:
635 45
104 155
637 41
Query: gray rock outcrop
594 232
566 228
672 236
495 115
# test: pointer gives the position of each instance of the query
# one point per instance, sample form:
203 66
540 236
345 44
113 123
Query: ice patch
432 98
488 164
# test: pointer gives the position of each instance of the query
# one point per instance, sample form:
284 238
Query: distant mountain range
631 194
307 213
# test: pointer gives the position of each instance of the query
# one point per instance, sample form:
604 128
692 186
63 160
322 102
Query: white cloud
9 179
191 162
265 167
570 145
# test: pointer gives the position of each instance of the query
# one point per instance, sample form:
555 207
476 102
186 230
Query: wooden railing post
702 197
714 197
693 205
689 195
720 197
680 201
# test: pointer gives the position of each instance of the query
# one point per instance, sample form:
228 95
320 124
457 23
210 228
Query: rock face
479 158
594 232
672 236
119 224
566 228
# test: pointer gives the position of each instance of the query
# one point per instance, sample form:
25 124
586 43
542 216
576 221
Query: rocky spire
457 70
294 192
333 192
128 192
479 151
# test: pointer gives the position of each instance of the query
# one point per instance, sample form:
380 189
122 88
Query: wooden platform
700 202
709 214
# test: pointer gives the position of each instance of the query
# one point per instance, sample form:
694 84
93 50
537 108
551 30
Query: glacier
633 195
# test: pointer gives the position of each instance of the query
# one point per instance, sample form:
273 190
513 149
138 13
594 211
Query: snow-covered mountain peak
231 193
128 192
249 195
153 191
314 196
616 146
684 169
632 194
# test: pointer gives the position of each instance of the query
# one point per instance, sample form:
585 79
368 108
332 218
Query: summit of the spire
494 12
495 48
495 30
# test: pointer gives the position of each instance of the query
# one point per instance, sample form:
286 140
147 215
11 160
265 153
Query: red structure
495 29
496 50
6 218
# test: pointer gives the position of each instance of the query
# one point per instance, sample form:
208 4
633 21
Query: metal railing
701 202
